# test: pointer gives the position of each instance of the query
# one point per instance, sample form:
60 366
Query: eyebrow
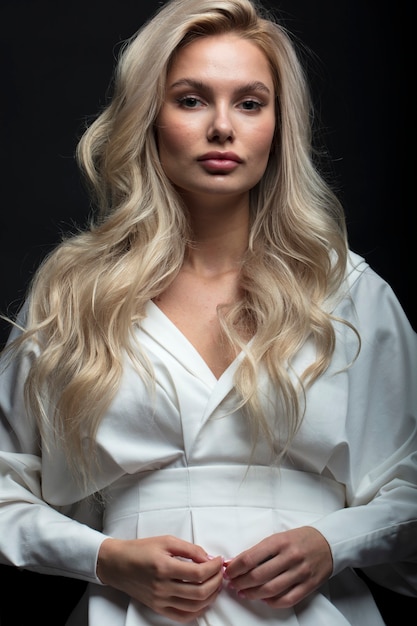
255 85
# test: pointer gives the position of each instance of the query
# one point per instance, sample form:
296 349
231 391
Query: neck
220 239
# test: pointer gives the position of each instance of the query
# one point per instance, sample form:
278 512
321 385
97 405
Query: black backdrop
56 63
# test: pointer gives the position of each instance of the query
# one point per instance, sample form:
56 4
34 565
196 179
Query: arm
377 461
378 529
33 534
173 577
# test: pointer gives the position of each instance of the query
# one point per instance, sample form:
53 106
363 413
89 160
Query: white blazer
177 463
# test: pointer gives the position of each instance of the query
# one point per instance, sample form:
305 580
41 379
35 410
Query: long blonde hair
89 292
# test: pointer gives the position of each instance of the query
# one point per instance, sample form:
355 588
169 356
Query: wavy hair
91 290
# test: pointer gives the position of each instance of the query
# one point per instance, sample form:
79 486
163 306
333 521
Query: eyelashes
193 102
189 102
252 105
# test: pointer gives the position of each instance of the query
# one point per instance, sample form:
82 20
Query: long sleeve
377 454
33 534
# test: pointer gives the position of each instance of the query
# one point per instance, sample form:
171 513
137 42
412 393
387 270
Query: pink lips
219 161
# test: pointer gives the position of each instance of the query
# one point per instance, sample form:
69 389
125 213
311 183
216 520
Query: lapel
198 393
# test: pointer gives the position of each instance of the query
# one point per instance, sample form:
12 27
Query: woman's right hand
173 577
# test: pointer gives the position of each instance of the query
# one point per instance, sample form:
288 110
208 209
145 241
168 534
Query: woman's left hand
282 569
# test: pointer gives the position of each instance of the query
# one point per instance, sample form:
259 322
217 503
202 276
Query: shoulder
360 281
369 302
355 268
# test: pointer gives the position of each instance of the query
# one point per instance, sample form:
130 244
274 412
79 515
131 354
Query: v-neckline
200 367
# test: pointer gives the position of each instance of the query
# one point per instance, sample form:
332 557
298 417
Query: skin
282 569
219 98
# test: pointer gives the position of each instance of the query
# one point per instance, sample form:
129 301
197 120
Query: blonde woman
208 401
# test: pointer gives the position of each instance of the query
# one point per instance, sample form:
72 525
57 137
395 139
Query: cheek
167 142
257 138
174 139
263 141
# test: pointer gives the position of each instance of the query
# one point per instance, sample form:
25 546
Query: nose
221 126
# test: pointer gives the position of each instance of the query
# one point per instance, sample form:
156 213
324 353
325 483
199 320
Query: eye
251 105
189 102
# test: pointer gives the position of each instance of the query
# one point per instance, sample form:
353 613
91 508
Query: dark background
56 61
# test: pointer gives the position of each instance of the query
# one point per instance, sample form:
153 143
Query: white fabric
177 463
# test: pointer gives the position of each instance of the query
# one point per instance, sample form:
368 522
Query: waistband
223 486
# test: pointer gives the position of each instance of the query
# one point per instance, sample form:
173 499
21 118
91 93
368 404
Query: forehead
217 57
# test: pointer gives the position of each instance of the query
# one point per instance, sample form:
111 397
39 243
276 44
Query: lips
220 156
220 161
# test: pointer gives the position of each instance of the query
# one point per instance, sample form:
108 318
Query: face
217 121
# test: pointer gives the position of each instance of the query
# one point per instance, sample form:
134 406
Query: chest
192 305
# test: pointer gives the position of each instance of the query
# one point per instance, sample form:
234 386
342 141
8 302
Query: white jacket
177 465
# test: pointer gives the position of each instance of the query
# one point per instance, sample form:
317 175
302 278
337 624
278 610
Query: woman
207 404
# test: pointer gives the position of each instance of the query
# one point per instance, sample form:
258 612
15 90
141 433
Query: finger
269 568
248 560
292 596
183 609
188 596
197 573
283 590
184 549
267 558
